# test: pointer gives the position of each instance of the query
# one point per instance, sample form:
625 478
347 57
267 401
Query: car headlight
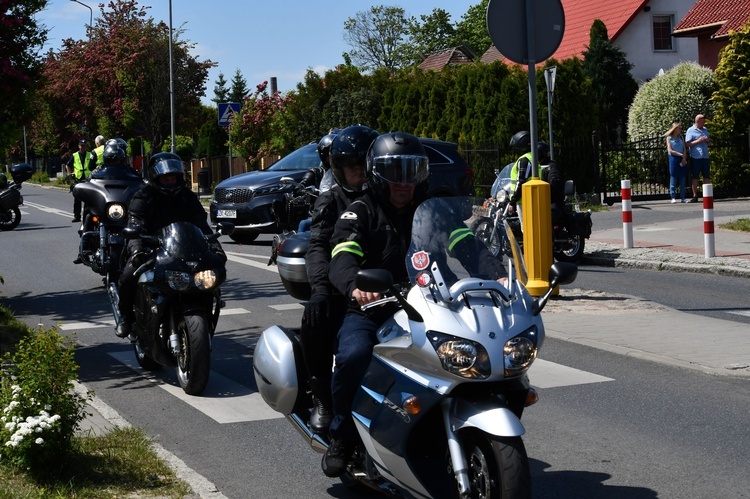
460 356
182 281
271 189
519 352
116 212
501 195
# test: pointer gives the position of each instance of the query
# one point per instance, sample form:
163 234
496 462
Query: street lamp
91 16
171 78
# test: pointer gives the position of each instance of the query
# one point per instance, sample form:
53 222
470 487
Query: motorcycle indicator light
532 397
412 405
116 211
460 356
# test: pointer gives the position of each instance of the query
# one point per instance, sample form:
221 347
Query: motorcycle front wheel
483 229
194 362
10 219
498 467
146 362
571 250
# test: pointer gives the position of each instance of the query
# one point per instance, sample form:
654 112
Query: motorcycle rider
375 232
80 166
346 155
164 200
522 168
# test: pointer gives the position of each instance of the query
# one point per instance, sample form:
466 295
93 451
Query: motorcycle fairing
97 194
486 416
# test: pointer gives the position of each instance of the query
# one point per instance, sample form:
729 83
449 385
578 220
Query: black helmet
349 148
542 151
520 140
324 148
165 163
113 155
398 158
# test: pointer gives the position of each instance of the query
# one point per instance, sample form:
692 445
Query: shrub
40 410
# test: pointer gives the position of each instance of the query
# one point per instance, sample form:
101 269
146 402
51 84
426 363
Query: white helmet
99 140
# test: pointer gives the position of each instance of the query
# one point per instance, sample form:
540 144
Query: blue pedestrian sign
227 110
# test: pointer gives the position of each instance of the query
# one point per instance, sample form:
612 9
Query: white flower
39 441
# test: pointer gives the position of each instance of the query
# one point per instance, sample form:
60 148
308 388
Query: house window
662 26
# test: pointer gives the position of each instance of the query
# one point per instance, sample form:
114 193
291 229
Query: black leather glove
316 310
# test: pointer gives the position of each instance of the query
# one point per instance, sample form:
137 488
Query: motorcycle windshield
502 181
442 245
184 241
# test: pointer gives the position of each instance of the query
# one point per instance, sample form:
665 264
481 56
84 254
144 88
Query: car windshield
304 158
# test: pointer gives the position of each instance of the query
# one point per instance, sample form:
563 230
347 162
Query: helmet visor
168 166
401 169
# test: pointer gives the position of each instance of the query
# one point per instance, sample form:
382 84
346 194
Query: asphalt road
608 426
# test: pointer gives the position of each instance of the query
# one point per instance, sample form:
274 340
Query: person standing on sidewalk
697 139
80 166
677 161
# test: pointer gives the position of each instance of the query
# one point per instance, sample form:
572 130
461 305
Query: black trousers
318 343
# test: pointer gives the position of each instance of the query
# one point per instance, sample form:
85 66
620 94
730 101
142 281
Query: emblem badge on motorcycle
420 260
348 215
424 279
192 265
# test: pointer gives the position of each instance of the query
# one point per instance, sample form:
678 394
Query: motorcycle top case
10 199
21 172
291 264
580 223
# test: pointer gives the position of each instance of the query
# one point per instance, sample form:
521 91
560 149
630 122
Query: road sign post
527 32
227 112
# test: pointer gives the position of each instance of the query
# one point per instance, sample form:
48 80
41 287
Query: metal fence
597 167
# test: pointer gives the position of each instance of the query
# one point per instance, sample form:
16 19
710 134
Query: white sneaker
684 200
674 200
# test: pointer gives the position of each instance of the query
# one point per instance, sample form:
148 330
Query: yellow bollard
537 234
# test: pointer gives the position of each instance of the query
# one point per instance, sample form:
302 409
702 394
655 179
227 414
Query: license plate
226 213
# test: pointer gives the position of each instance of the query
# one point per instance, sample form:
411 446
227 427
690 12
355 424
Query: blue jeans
355 341
673 187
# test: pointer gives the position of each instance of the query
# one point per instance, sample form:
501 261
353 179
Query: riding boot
321 416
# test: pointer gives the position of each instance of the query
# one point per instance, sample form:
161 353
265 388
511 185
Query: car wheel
244 237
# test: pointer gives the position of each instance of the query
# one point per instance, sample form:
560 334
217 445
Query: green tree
471 30
431 33
379 38
122 76
21 37
221 93
239 90
732 97
614 87
255 132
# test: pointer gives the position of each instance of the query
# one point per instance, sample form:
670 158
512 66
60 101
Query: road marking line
54 211
745 313
545 374
223 400
245 261
111 323
287 306
249 255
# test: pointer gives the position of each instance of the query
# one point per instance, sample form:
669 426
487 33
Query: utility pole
171 77
91 16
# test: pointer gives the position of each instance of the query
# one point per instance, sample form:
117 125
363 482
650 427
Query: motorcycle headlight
460 356
179 281
116 212
502 196
205 279
519 352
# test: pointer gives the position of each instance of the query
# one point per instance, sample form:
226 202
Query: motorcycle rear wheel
10 219
194 361
482 229
498 467
571 251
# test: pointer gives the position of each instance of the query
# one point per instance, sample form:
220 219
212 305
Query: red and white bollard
709 245
627 214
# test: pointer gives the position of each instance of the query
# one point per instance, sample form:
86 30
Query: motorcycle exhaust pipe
114 300
315 441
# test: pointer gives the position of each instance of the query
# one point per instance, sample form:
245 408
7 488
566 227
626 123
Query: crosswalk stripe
232 257
545 374
744 313
111 323
287 306
223 400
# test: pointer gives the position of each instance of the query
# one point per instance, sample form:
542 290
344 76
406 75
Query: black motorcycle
105 196
177 301
11 198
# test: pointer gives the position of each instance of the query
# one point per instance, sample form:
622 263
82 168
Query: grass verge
741 224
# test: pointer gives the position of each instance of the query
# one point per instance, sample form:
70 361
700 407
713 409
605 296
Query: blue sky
261 38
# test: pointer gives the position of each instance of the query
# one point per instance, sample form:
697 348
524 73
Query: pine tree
239 89
221 93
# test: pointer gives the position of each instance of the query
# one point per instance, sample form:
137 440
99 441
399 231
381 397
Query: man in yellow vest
80 166
522 169
100 141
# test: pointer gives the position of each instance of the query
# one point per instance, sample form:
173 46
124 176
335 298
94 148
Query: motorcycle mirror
374 280
559 273
225 228
287 180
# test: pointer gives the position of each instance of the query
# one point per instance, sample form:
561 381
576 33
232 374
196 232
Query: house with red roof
454 56
640 28
710 21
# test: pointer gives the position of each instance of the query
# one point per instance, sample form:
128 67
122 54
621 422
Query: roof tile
719 16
